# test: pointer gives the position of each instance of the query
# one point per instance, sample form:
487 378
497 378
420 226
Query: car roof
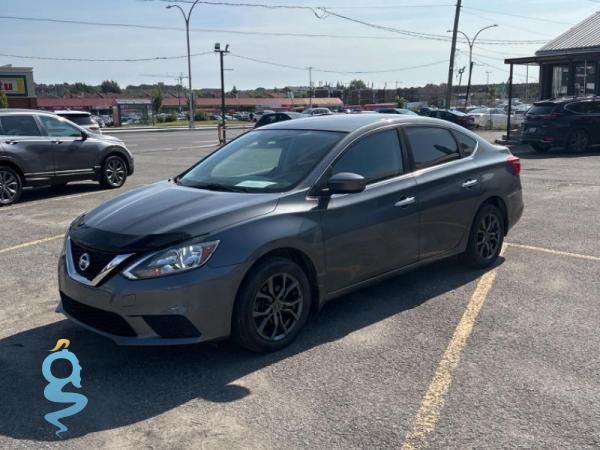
23 110
347 123
68 112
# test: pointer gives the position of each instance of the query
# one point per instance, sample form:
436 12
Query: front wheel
114 172
11 186
578 141
486 238
272 306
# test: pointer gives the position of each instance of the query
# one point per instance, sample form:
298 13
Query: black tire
542 148
578 141
11 186
485 239
114 172
263 321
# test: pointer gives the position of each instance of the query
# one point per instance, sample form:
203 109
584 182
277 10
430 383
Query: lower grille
172 326
99 319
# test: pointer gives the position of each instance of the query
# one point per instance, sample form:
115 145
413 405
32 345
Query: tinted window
375 157
81 119
466 143
540 110
266 120
584 107
59 128
19 126
431 146
282 117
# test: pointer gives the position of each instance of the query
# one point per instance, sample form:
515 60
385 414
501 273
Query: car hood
161 214
106 137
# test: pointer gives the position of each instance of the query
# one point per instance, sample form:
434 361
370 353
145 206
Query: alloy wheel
488 236
277 306
579 141
115 171
9 187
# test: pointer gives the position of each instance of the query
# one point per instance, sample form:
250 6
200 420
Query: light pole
471 43
221 52
186 17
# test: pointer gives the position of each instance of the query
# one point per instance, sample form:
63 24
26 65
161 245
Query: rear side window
266 120
19 126
431 146
282 117
466 144
375 157
541 110
584 107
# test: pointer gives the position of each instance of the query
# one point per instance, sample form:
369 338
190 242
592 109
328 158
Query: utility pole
487 77
527 82
186 17
221 53
452 53
310 89
460 74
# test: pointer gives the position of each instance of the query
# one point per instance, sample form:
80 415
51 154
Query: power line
68 58
517 15
305 7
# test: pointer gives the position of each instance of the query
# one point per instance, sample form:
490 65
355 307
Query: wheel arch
15 167
499 203
116 151
297 256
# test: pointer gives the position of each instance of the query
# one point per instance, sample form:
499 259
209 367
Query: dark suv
454 116
39 148
573 123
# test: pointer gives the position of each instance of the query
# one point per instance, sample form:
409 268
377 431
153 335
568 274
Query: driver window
59 128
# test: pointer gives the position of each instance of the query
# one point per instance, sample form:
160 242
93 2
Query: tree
110 86
3 100
357 84
400 101
492 94
157 97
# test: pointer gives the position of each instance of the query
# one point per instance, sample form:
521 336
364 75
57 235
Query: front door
73 155
448 188
374 231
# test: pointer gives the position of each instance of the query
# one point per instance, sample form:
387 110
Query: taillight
515 164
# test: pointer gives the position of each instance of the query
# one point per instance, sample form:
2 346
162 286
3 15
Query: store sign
13 85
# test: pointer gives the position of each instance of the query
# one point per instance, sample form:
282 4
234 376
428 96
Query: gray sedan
264 231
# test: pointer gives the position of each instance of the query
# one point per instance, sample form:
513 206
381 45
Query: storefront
17 84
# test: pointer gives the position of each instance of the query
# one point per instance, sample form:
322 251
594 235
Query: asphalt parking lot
444 357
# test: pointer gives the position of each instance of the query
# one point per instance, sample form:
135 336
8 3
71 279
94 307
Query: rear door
448 188
374 231
72 154
23 142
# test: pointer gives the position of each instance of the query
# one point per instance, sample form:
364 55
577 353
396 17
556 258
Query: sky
545 19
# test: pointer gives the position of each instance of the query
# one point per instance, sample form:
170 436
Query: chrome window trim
117 260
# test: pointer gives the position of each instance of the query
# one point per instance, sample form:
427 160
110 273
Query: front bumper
187 308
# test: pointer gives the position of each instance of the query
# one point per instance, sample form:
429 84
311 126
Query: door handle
405 202
470 183
57 142
11 142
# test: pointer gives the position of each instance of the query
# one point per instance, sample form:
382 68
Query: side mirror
84 136
346 183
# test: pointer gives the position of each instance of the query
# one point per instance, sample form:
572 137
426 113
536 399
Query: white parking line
554 252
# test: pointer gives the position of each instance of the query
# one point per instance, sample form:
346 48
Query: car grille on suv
97 260
99 319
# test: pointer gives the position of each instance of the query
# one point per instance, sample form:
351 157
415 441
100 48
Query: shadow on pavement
43 193
127 385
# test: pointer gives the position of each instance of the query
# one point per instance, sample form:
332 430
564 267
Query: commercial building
17 84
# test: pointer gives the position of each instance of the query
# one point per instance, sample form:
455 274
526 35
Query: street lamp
221 52
186 17
471 44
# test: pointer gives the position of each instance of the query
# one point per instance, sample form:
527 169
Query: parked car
99 120
316 111
82 118
39 148
573 123
269 118
257 235
491 118
396 111
452 115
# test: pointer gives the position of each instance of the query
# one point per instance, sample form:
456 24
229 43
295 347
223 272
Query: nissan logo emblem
84 262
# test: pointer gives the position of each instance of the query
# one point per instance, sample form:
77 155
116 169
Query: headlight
173 260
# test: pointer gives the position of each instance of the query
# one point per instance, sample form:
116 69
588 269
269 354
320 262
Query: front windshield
262 161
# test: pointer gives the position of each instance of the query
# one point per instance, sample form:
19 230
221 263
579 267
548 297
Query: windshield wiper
218 187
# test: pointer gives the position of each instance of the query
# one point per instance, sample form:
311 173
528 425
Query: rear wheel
486 238
272 306
578 141
542 148
11 186
114 172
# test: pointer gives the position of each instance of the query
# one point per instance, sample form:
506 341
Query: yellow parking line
433 400
555 252
29 244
